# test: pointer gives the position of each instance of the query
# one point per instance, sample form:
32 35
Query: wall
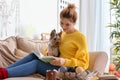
37 16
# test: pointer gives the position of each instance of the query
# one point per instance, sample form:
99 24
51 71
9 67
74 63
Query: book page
44 58
47 59
38 54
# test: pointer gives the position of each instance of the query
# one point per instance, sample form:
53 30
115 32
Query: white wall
37 16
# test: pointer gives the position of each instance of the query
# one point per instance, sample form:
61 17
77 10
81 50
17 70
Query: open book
44 58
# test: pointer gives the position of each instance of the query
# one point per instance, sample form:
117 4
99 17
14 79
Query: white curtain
9 18
93 22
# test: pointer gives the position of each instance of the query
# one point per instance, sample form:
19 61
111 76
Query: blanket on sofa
14 48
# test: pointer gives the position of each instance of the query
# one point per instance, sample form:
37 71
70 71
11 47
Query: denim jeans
29 65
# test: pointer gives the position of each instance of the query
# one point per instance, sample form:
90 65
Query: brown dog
53 46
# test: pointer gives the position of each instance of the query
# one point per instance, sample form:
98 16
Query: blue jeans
29 65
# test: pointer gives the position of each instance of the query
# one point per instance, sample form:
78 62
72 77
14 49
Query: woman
73 51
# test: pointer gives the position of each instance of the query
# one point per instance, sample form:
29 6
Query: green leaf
116 50
115 34
115 27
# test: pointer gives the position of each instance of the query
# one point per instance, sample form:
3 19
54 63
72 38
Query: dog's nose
57 42
47 53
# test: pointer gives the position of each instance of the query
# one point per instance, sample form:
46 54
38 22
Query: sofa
14 48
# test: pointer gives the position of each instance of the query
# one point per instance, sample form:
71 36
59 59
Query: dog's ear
60 33
52 34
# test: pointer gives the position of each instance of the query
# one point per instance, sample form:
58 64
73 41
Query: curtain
9 18
94 19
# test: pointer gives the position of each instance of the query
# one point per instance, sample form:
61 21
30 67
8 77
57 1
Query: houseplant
115 30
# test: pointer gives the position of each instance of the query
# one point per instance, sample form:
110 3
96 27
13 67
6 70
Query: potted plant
115 25
115 30
117 62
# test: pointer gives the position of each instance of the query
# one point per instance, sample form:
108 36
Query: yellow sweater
74 49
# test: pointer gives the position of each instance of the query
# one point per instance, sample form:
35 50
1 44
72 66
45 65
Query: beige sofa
16 47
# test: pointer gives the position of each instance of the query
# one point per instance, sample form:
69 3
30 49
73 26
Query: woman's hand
58 61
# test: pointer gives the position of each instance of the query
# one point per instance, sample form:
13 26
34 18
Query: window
9 18
38 16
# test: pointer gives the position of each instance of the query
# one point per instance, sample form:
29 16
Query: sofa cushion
7 50
97 61
92 60
10 43
29 45
20 53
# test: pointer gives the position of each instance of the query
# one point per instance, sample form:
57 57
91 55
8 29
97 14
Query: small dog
53 46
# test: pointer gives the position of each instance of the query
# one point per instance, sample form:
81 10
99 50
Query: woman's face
67 25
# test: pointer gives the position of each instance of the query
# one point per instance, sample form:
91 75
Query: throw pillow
30 45
20 53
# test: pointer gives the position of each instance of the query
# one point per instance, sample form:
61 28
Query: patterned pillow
29 45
